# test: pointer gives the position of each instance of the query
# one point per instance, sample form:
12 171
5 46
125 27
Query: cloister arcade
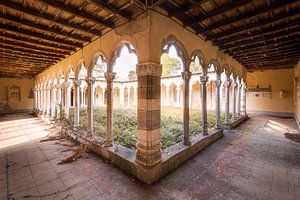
211 87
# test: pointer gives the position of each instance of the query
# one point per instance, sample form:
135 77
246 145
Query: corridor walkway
255 161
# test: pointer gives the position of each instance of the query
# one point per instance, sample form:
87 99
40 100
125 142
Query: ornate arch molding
116 53
78 68
70 70
198 53
60 75
171 40
217 66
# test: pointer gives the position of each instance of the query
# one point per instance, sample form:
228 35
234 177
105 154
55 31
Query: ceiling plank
48 17
34 41
254 13
184 8
44 28
26 60
268 51
40 36
110 8
224 8
27 55
259 23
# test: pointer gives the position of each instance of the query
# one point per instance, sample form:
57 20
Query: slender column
76 84
109 76
39 99
168 95
90 81
190 96
58 100
203 80
244 100
128 96
148 126
234 85
227 86
186 76
177 95
82 96
134 95
218 104
44 100
121 95
103 96
48 101
52 101
35 99
67 99
239 101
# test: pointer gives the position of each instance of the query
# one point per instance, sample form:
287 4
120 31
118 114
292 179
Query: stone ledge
235 123
124 158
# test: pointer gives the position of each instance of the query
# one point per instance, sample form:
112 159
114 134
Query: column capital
77 83
235 84
67 84
218 83
90 80
149 68
227 83
110 76
203 79
186 75
49 87
58 86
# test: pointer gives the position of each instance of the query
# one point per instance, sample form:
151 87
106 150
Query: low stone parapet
235 122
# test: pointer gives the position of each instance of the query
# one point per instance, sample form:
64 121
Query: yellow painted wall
297 92
281 79
25 103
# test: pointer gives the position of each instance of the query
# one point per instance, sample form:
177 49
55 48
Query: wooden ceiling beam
270 59
271 20
110 8
30 51
34 48
294 48
21 60
41 36
271 65
34 41
224 8
42 27
48 17
82 14
293 34
12 53
247 15
184 8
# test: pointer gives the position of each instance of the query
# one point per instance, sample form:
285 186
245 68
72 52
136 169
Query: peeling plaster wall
281 79
24 102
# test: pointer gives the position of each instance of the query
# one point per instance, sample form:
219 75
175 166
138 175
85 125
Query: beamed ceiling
36 34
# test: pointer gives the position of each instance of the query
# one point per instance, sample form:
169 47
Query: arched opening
171 96
125 101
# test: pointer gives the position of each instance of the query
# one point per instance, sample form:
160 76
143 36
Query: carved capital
90 80
110 76
58 86
67 84
227 83
186 75
77 83
218 83
203 79
149 68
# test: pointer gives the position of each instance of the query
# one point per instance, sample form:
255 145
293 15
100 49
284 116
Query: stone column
103 96
244 100
148 126
76 84
239 100
58 100
53 101
44 100
39 99
48 100
121 95
168 95
90 96
218 83
190 96
234 85
35 99
134 95
109 76
186 76
67 98
227 86
128 96
82 96
203 80
177 95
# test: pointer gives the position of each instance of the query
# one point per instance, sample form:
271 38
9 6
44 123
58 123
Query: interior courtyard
149 99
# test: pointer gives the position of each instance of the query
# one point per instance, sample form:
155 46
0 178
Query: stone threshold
124 158
235 122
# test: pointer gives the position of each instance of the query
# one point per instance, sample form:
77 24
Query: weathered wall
10 100
271 103
297 92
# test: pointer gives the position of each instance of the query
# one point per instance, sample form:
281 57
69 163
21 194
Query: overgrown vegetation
125 124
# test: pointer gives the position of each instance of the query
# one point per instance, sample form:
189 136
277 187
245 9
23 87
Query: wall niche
13 93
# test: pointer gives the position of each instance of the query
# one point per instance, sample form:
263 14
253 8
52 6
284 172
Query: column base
148 156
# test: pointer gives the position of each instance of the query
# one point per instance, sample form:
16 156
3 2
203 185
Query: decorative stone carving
149 68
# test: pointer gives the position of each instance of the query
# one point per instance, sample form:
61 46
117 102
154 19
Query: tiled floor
255 161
